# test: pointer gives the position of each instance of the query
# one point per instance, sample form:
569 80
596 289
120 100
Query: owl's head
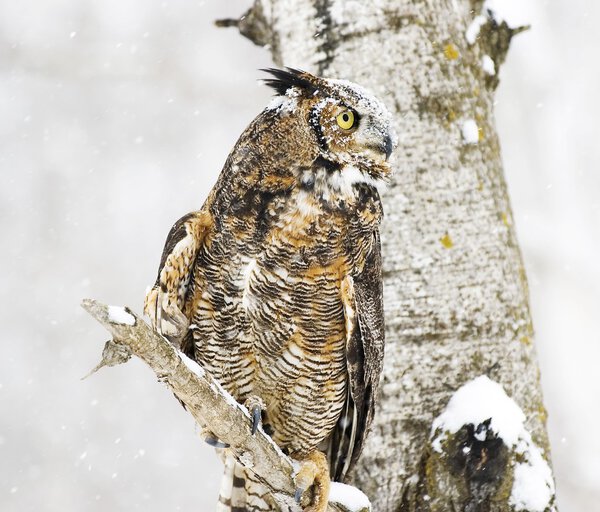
352 128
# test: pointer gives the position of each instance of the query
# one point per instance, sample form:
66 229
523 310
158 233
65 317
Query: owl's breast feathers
279 279
273 315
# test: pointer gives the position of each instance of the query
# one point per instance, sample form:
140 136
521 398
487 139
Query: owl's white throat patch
332 185
343 180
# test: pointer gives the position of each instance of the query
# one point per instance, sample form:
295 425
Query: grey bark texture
456 298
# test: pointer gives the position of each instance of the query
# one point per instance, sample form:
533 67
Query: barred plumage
274 286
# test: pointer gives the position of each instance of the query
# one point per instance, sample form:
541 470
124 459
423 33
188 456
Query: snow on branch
204 398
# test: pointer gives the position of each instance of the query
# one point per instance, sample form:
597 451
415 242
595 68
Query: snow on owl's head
350 127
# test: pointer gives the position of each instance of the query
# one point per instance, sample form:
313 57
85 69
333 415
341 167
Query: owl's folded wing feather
363 309
164 303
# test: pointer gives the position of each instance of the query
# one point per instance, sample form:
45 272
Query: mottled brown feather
278 276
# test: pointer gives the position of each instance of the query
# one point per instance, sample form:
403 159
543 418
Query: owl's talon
165 316
313 472
211 439
255 406
256 417
215 442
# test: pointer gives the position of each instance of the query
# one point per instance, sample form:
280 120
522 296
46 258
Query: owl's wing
363 310
165 302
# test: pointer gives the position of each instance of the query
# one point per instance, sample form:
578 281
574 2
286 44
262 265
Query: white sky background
115 118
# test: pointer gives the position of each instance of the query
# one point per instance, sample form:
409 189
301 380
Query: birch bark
456 297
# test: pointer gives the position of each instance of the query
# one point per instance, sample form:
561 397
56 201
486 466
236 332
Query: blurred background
116 117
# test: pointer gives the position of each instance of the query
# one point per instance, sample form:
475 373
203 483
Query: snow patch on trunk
533 485
488 65
351 498
474 27
481 400
476 402
470 131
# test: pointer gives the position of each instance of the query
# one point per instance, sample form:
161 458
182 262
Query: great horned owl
274 285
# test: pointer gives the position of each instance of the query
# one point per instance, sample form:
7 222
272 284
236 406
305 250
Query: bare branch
210 405
253 24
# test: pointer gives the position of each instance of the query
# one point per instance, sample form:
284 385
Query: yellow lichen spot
505 219
480 133
447 241
526 340
451 115
529 324
542 413
451 52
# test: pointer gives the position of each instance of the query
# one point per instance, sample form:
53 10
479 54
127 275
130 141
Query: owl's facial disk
350 135
353 129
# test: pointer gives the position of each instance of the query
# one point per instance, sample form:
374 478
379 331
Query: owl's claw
255 406
211 439
313 472
256 417
165 316
215 443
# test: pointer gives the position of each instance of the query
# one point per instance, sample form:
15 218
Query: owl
274 286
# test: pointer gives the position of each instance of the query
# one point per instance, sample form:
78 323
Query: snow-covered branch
210 405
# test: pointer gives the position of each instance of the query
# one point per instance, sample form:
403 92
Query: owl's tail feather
226 492
241 491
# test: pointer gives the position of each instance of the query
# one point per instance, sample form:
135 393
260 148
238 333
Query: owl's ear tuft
285 79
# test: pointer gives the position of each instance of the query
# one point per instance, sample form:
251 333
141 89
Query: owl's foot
215 442
165 316
255 406
314 472
212 440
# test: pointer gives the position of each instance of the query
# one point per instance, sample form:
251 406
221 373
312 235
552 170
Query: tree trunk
456 295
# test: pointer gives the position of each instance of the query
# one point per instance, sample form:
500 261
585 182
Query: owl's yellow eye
345 120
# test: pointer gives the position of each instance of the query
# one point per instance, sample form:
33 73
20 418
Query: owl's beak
388 147
380 144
